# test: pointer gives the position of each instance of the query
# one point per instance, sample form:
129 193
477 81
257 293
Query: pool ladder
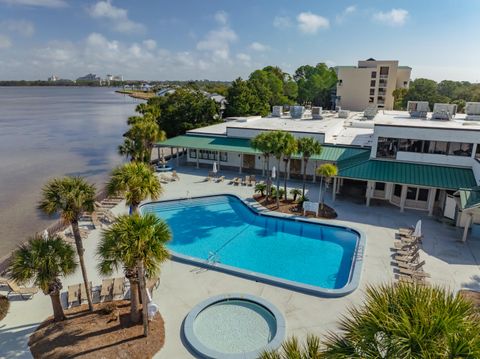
213 258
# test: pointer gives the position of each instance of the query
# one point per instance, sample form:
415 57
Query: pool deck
450 263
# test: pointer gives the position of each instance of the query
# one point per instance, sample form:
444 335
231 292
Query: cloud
310 23
221 17
38 3
256 46
217 42
150 44
243 57
282 22
22 27
5 42
394 17
349 10
117 16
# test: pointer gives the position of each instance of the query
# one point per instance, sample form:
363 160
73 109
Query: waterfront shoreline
137 94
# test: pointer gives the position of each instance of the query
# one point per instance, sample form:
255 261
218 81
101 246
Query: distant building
146 87
53 78
370 84
89 77
165 91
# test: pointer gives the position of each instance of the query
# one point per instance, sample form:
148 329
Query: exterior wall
476 170
354 88
252 132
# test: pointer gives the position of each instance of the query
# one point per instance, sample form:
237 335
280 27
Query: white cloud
38 3
257 46
22 27
282 22
221 17
217 42
394 17
5 42
310 23
349 10
150 44
117 16
243 57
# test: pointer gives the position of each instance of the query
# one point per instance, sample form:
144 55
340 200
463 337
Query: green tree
184 110
137 244
398 98
407 321
43 261
295 192
289 148
263 96
307 146
70 197
424 90
326 172
136 181
315 84
260 188
292 349
240 98
263 143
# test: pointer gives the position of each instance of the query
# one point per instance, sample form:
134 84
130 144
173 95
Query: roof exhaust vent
297 111
472 110
277 111
444 111
418 108
317 113
370 112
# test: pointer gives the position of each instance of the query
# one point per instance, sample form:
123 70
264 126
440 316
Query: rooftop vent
444 111
343 113
317 113
297 111
418 108
277 111
370 112
472 110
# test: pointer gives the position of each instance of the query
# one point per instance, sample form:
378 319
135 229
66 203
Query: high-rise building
370 84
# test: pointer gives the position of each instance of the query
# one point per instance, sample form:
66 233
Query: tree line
446 91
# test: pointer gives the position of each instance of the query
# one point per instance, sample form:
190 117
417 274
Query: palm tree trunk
305 162
80 251
278 182
143 290
58 314
134 299
285 178
268 176
321 192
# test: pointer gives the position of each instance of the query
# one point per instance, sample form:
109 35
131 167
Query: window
193 153
223 157
384 71
374 74
412 193
372 91
440 147
460 149
380 186
387 147
477 152
340 82
372 83
370 100
422 194
417 194
397 191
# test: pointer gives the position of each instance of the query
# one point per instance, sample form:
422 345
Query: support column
198 155
171 152
314 177
241 164
334 189
158 154
218 160
431 200
178 154
302 167
263 166
403 198
467 227
288 169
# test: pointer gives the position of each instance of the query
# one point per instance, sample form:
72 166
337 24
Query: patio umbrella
274 172
418 229
214 170
45 235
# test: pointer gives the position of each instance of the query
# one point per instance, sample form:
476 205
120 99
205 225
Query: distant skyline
221 40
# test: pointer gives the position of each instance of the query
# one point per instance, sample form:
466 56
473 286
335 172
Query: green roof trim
469 198
330 153
416 174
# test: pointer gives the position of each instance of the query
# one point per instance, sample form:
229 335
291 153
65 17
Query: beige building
371 83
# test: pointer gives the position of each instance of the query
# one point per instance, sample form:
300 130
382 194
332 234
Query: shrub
4 305
108 308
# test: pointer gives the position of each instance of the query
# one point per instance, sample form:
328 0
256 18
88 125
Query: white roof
402 118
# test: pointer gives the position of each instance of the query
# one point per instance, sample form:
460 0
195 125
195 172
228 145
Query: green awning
469 198
329 153
416 174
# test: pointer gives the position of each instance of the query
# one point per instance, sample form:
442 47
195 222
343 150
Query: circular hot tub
234 326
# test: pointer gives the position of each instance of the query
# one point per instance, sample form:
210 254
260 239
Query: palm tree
289 149
407 321
260 188
307 146
44 261
70 197
292 349
136 181
295 192
262 142
327 171
136 243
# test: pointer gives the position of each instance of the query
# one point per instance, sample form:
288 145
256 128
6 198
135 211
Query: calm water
307 253
47 132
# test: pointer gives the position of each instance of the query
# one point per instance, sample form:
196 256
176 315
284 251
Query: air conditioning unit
444 111
343 113
317 113
277 111
297 111
370 112
418 108
472 111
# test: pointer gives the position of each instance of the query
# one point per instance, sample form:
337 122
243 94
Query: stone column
403 198
431 200
467 227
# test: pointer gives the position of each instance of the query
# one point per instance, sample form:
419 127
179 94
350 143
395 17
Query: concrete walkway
449 262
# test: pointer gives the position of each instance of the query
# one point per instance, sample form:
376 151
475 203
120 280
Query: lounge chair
246 180
414 273
406 242
153 283
237 181
73 294
118 287
406 259
252 180
175 176
210 177
412 280
220 179
83 292
107 288
405 231
24 292
414 266
406 250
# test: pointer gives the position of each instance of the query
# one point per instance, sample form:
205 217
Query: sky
225 39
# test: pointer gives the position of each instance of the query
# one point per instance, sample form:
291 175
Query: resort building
397 157
370 84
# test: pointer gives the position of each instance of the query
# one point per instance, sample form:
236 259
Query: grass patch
4 305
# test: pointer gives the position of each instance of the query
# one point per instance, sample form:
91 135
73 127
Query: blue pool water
224 228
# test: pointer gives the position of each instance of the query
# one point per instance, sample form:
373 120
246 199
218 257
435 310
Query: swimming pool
225 233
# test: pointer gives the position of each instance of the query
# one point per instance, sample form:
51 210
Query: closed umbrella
45 234
274 172
214 170
418 229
